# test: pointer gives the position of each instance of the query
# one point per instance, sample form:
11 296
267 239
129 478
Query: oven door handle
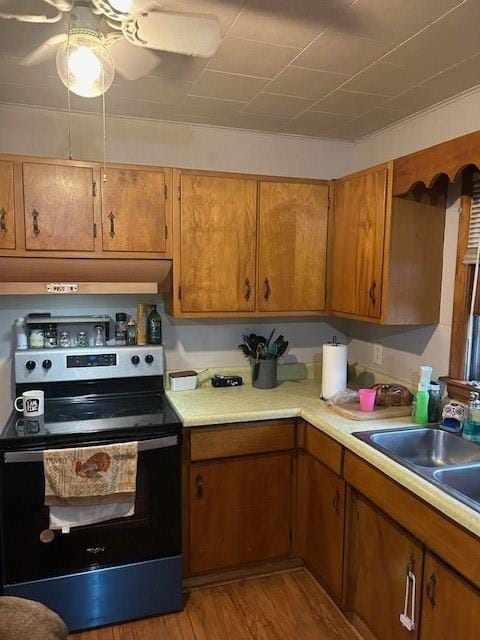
143 445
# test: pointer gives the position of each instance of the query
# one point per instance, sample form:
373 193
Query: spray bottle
420 410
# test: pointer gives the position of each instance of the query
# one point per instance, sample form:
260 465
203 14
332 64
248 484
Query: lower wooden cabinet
451 607
240 511
380 554
325 525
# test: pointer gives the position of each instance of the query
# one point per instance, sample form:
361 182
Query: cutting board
351 410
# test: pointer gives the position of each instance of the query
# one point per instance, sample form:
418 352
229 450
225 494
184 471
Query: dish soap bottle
420 410
154 326
471 426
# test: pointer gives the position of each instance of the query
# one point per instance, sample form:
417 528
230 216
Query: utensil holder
264 374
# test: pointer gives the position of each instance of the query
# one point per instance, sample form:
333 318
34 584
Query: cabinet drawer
324 449
240 440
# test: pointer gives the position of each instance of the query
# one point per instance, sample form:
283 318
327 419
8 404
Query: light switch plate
378 354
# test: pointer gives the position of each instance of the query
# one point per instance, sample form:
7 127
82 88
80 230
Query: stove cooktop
92 418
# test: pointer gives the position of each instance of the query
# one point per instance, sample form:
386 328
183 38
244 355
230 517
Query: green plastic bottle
471 426
420 411
154 326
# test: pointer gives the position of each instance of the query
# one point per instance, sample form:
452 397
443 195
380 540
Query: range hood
33 276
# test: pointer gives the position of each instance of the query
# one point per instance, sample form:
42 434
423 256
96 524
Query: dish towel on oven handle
85 485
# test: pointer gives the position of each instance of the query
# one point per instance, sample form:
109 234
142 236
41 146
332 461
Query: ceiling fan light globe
85 65
123 6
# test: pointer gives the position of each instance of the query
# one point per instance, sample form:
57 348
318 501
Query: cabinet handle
371 293
407 619
267 290
36 228
336 501
432 583
199 483
248 289
3 221
111 217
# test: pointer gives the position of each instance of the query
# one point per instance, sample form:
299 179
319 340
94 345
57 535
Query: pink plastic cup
367 399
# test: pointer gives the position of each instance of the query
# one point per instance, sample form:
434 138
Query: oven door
31 551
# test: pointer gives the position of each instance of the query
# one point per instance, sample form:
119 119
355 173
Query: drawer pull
432 583
3 221
248 289
336 501
371 293
111 217
199 483
36 228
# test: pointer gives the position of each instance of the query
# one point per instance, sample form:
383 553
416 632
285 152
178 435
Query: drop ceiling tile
200 106
287 22
278 105
458 78
44 75
419 98
227 86
251 58
373 121
151 89
452 39
341 53
386 79
257 122
17 39
314 123
140 109
349 103
306 83
394 20
38 96
174 66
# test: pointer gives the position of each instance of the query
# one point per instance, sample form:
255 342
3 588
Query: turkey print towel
91 484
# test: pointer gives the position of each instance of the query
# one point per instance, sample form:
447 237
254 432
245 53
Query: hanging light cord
69 106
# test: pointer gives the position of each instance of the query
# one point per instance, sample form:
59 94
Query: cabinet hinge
94 188
179 193
165 191
166 232
94 229
179 292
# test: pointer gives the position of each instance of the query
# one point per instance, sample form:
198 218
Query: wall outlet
378 354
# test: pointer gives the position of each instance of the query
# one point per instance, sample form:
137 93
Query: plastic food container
183 380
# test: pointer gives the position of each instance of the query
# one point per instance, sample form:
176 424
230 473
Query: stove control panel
58 365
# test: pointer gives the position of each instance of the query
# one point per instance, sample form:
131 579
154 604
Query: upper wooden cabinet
7 217
358 238
292 251
134 211
387 252
58 205
218 243
246 244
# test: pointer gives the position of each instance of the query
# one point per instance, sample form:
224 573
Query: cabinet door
7 219
240 511
59 211
292 246
325 523
218 243
358 243
451 607
379 554
134 211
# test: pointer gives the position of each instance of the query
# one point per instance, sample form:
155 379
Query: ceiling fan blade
45 51
132 62
186 33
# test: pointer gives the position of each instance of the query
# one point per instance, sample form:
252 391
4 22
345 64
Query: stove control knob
30 364
149 359
135 360
47 364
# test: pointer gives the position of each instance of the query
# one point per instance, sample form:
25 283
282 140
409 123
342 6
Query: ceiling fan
107 35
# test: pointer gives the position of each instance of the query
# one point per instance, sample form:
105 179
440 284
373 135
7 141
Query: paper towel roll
334 369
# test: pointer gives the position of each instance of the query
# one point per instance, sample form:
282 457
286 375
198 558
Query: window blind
470 256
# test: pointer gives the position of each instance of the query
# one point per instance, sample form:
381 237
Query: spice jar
37 336
65 339
121 329
131 332
50 336
98 335
82 339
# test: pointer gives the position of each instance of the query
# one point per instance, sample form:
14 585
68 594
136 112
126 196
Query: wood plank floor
286 606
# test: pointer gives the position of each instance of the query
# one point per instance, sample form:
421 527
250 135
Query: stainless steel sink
428 447
444 459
